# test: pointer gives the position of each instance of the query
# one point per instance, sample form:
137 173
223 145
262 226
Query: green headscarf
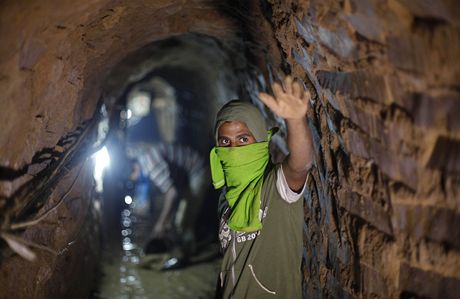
242 168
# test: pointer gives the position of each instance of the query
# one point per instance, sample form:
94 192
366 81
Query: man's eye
244 139
224 141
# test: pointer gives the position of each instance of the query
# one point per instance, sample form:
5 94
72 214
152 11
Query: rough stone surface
54 58
71 231
386 178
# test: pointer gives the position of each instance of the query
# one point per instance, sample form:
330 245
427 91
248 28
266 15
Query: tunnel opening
215 60
160 102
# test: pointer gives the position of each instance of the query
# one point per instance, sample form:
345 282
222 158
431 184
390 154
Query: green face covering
241 169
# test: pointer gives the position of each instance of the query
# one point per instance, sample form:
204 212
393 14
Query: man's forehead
233 127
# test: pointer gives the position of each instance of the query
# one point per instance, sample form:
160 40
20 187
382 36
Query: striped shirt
165 163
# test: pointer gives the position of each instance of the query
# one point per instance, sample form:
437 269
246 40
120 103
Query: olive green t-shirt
266 263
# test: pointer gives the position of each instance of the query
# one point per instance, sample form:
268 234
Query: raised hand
290 103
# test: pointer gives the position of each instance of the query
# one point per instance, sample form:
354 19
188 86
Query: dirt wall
54 57
382 211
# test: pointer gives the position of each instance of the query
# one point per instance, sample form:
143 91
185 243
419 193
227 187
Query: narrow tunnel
381 208
160 99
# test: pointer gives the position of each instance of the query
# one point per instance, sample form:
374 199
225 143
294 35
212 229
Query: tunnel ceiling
207 70
215 67
74 48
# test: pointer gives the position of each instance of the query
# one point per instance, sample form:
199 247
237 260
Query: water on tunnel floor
128 273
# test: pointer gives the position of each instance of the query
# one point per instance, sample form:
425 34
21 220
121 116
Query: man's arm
166 216
292 104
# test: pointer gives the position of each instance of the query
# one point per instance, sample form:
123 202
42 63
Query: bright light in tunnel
101 161
138 106
128 200
139 103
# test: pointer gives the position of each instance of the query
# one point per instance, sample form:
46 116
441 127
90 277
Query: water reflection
130 273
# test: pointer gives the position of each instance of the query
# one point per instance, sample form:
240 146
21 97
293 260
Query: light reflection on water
129 273
130 282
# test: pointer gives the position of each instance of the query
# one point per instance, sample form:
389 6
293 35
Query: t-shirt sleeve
283 188
157 169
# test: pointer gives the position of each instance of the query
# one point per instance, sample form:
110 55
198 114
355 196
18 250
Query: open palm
290 103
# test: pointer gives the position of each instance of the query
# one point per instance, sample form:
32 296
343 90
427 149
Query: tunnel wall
54 57
57 54
67 262
382 210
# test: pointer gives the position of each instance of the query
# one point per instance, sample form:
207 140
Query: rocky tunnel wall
54 59
382 212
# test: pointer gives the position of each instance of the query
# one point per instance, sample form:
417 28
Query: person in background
180 174
175 166
262 220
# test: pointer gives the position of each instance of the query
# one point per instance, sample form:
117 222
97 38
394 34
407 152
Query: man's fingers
288 84
307 95
297 90
268 100
277 90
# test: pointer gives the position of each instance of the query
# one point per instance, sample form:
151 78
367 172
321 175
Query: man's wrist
296 121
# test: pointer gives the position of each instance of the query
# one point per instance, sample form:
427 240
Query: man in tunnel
176 169
262 220
182 176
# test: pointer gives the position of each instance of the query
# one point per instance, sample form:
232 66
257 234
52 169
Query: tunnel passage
382 211
159 106
182 79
